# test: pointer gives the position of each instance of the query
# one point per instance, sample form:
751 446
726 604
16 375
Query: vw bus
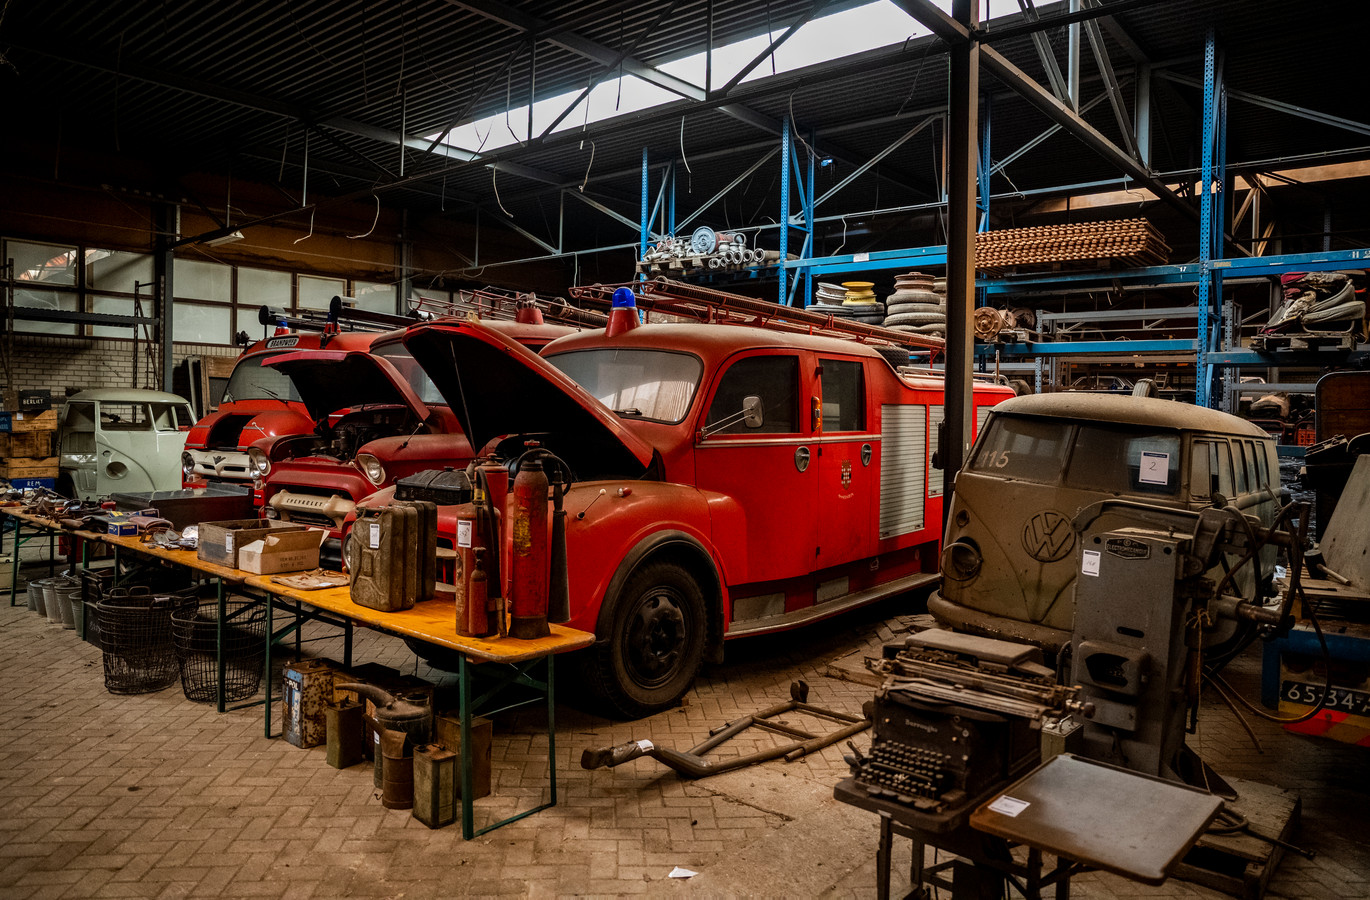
1009 560
121 439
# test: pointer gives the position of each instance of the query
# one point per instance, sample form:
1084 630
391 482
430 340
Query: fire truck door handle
801 458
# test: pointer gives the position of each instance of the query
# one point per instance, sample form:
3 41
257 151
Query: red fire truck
724 480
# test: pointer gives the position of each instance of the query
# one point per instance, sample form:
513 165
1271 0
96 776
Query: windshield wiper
631 412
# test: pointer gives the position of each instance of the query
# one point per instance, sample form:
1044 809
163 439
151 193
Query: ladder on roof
704 304
485 303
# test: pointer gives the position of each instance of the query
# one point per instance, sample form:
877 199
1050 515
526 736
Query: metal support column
645 224
809 200
168 224
1203 371
983 169
963 102
784 293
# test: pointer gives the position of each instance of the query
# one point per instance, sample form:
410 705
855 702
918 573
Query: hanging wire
495 183
587 168
311 227
353 237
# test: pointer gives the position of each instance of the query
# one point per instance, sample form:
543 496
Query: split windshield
1098 457
657 385
253 381
399 356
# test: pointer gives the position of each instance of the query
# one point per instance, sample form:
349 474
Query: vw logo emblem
1048 536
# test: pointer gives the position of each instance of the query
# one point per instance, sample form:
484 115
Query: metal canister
436 785
397 783
529 556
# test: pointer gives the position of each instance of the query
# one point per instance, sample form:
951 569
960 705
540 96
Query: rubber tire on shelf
906 329
1020 387
896 308
915 297
655 628
930 328
915 318
895 356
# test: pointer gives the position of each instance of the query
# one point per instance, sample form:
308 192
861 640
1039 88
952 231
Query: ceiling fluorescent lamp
225 239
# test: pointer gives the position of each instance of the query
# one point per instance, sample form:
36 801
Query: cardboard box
282 551
219 541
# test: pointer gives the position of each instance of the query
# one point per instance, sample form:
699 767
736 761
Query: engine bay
340 438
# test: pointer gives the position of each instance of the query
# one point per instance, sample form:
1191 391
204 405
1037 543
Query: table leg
882 858
266 672
347 644
219 644
468 825
14 563
52 553
552 728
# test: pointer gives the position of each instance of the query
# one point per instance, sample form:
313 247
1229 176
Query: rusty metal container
305 694
437 785
392 557
397 783
343 721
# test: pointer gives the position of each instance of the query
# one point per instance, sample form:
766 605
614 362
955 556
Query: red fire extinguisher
529 559
472 618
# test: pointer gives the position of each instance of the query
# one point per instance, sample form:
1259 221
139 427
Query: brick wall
62 363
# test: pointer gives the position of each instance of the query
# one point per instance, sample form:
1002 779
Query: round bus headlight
371 468
187 467
961 560
258 463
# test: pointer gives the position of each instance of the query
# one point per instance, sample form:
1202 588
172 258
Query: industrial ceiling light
225 238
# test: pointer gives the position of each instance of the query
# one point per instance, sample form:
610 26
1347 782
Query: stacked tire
918 304
853 300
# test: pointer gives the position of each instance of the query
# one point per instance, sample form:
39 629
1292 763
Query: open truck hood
496 387
329 380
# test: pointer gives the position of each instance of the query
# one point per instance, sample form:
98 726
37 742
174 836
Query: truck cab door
848 465
767 466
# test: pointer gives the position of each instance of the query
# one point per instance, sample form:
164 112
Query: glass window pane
193 279
117 306
43 263
39 299
1240 465
1220 461
1200 478
316 293
1125 461
197 324
258 287
1027 449
124 417
844 401
117 270
374 296
253 381
640 384
775 379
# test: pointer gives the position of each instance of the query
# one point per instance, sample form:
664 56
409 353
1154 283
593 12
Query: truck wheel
655 645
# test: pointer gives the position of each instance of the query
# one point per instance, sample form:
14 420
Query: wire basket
135 635
195 635
94 584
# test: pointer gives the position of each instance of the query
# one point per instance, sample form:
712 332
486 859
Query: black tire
656 632
914 296
895 309
915 318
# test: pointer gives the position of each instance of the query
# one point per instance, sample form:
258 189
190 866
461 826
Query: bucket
68 593
36 599
49 605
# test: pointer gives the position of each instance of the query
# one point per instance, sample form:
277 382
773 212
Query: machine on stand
960 719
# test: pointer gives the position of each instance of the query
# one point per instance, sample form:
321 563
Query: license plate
1338 699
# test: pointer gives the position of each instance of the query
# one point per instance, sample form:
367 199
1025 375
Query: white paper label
228 542
860 257
645 746
1009 806
373 539
1155 468
1089 565
464 532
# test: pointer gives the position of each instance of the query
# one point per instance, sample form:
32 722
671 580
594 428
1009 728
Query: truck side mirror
751 409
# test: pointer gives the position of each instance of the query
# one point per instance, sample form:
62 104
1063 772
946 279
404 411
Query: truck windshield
639 384
253 381
399 356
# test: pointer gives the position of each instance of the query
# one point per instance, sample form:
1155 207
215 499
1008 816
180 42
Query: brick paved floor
155 796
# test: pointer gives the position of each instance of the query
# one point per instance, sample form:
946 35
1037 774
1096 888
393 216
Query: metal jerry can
306 692
392 558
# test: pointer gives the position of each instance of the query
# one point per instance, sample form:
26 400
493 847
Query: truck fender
689 548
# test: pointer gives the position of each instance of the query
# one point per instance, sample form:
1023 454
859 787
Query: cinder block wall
58 363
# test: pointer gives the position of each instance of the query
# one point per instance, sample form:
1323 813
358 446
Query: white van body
121 439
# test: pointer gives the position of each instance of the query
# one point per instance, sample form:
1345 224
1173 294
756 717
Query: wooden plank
1238 863
29 468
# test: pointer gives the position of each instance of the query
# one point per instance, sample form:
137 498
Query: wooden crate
29 468
29 444
26 422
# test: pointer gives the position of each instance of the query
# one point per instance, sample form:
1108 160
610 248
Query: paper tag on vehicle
1155 468
464 532
373 538
1089 565
228 542
1009 806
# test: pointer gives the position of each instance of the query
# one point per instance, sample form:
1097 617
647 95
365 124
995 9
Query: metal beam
746 173
875 160
1115 96
1044 102
746 70
613 214
509 223
1311 115
1058 83
1082 15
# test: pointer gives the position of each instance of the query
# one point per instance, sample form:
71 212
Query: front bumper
221 465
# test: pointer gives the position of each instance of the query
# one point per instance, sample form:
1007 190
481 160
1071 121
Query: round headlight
187 467
371 468
961 560
258 462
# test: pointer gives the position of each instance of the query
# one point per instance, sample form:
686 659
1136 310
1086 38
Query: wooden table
433 621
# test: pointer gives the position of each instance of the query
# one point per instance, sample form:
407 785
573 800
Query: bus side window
1220 465
1200 476
1240 465
1260 477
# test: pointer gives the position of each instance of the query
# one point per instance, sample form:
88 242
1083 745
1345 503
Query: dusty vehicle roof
128 395
707 340
1128 410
